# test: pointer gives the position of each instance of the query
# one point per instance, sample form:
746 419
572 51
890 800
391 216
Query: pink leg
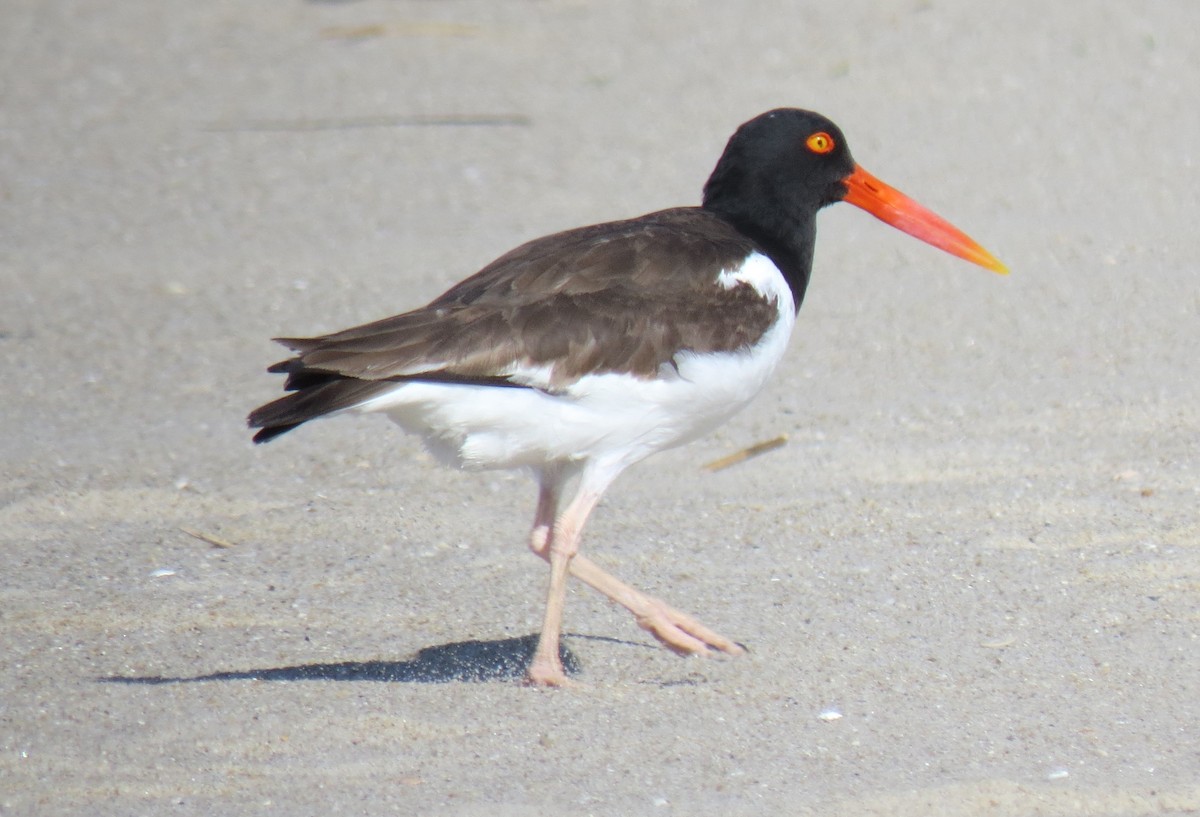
549 488
676 630
546 669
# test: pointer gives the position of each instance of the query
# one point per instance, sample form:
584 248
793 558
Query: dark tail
314 394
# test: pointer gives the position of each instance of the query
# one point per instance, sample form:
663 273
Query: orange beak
893 207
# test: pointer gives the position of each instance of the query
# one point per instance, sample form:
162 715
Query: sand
970 582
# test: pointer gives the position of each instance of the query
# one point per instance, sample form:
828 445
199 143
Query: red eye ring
820 142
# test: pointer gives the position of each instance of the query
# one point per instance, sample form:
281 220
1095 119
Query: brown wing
620 297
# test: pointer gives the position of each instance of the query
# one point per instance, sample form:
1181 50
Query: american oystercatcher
579 354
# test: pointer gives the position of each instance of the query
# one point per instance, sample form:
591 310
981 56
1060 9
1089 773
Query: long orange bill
893 207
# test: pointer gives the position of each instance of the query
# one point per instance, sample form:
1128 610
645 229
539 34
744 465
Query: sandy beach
969 582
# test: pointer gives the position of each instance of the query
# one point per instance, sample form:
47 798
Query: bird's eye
820 142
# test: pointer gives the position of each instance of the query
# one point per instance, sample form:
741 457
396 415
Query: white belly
615 417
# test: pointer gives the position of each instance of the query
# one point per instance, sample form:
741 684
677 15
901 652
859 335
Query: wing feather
620 297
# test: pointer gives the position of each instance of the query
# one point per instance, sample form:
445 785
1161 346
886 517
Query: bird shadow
504 659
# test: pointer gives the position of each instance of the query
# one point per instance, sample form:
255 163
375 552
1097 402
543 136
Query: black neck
787 242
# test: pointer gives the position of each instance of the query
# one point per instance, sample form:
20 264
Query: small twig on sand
746 453
208 537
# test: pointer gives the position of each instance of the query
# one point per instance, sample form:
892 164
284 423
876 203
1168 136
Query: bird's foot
547 674
683 634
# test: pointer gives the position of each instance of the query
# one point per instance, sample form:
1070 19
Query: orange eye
820 142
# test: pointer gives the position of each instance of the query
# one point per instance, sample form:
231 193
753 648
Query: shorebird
581 353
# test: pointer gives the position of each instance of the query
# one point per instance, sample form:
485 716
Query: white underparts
614 418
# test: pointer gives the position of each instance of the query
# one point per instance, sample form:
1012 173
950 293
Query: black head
780 168
777 170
